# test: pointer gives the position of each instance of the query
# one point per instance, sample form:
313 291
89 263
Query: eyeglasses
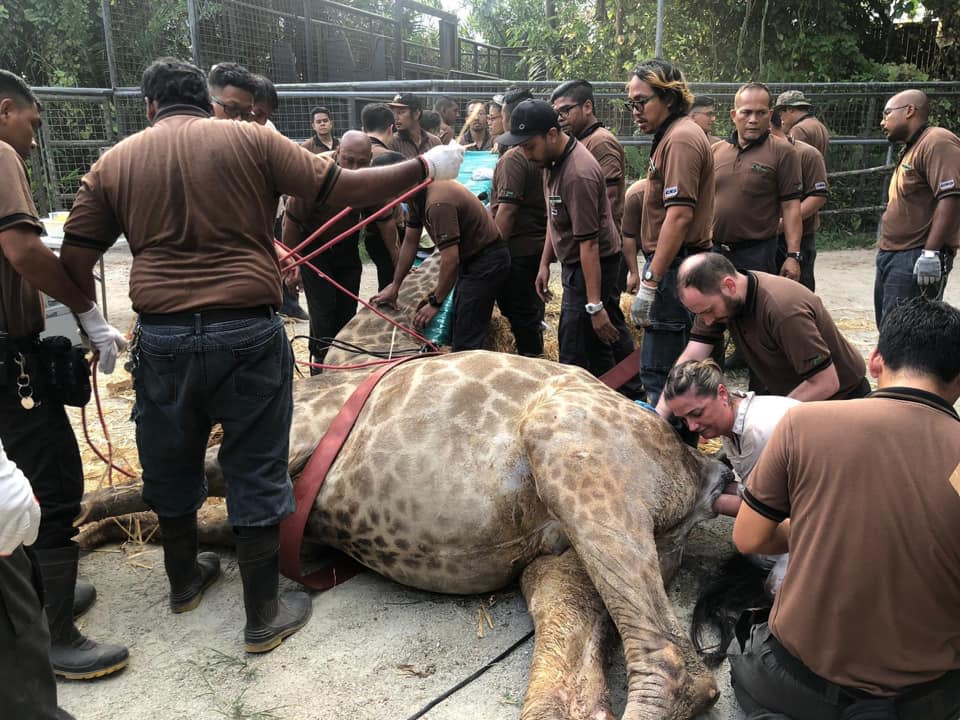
887 111
565 110
234 112
638 104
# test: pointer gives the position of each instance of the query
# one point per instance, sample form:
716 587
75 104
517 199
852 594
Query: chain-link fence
78 124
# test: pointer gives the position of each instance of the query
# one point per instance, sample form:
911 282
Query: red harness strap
308 487
617 376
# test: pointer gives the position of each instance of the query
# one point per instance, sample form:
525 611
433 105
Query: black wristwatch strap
432 299
796 256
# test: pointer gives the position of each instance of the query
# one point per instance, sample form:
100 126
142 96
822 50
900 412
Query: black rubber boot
84 595
271 616
72 655
189 573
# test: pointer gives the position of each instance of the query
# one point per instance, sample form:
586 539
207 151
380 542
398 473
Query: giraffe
468 470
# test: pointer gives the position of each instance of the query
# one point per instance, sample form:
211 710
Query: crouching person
865 492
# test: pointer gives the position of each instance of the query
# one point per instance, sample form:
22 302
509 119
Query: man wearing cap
704 113
676 213
410 139
521 217
759 182
920 229
799 121
592 331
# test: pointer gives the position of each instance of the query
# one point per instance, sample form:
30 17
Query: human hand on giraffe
603 327
387 296
425 313
542 284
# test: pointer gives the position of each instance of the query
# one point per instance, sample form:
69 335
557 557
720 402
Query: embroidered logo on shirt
948 184
508 194
670 192
820 186
757 167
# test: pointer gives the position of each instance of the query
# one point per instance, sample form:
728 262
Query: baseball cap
406 100
792 98
529 118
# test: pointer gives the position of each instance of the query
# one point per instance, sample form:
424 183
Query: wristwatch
796 256
651 276
432 299
593 308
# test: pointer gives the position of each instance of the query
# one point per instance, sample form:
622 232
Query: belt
741 244
208 317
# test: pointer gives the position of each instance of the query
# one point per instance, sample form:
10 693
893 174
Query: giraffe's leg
601 477
566 673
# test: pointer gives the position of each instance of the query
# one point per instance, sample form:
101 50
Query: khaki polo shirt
403 143
928 170
814 173
813 132
21 305
578 210
454 216
751 184
317 146
786 336
517 181
196 198
633 209
871 596
681 172
608 151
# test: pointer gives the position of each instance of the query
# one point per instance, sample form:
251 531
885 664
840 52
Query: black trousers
480 281
28 690
520 304
329 308
808 248
41 442
751 255
579 344
378 252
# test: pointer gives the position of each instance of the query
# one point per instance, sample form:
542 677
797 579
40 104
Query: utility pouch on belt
872 709
64 371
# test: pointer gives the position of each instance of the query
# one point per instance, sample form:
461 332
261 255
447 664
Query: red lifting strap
308 487
626 369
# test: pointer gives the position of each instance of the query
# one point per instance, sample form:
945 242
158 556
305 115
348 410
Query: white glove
443 161
19 509
642 304
927 270
106 339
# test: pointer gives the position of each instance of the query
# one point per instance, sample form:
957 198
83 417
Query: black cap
406 100
529 118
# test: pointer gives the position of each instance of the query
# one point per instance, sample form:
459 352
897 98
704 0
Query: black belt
741 244
208 317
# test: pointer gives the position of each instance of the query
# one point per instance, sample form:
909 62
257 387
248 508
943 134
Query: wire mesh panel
142 31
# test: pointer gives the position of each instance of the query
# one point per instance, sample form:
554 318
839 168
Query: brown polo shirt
485 144
403 143
751 184
928 169
633 209
608 151
578 210
786 336
196 198
377 147
317 146
681 172
813 132
303 217
21 305
454 216
871 597
814 173
517 181
445 134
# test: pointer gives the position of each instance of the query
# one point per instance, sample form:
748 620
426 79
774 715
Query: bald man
330 309
920 229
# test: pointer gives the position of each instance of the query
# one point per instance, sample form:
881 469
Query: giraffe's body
465 471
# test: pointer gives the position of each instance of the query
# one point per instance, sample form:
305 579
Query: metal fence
79 123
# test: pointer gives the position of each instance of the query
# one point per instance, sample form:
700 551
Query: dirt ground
373 649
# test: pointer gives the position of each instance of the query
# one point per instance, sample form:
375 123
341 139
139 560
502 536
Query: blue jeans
894 280
667 335
187 378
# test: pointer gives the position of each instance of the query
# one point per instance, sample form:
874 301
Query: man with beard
785 333
410 139
449 114
475 134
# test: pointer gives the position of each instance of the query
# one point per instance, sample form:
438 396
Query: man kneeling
865 492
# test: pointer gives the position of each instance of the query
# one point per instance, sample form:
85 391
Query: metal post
194 31
311 76
108 41
398 39
658 44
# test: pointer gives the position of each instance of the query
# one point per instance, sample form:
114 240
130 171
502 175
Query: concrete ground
374 649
